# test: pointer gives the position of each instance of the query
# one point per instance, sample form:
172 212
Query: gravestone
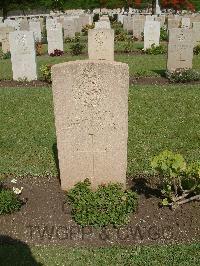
138 28
24 25
101 44
173 23
91 117
180 49
185 23
102 25
69 28
196 33
4 38
23 56
55 38
35 27
151 34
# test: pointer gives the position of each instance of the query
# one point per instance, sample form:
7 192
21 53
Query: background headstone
101 44
55 38
23 56
180 49
151 34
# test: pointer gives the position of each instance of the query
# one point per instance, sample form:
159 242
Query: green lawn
139 65
179 255
160 117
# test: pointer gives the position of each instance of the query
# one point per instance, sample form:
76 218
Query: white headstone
35 27
151 34
55 38
23 56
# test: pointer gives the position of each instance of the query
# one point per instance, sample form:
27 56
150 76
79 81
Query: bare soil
45 218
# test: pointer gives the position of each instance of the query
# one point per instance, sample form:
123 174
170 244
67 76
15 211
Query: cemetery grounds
161 116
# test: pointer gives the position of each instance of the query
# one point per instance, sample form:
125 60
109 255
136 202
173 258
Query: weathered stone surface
35 27
173 23
55 38
185 23
69 28
180 49
151 34
4 38
102 25
101 44
24 25
23 56
91 116
138 28
196 33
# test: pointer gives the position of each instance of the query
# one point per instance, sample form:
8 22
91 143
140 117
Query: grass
184 255
160 117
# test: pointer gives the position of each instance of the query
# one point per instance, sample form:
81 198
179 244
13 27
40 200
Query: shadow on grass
15 252
142 186
55 154
160 72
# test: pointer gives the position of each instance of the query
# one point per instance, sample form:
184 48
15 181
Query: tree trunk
5 13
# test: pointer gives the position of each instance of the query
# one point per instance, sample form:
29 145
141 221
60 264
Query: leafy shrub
109 205
96 17
160 49
86 28
77 47
128 47
163 34
39 48
57 52
68 40
196 49
183 75
180 183
9 201
46 72
5 55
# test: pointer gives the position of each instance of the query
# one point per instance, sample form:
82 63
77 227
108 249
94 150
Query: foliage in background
183 75
196 50
46 72
77 47
86 28
180 182
5 55
9 201
39 48
163 34
57 52
155 50
108 205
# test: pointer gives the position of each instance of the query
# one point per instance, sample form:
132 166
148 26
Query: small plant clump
183 75
9 201
46 72
196 49
86 28
57 52
108 205
77 47
5 55
163 34
180 182
160 49
39 48
128 47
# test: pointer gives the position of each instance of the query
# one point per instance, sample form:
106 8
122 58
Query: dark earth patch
45 219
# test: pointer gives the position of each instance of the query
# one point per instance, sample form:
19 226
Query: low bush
46 72
128 47
5 55
57 52
86 28
196 50
183 75
180 183
77 47
163 34
9 201
39 48
108 205
160 49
